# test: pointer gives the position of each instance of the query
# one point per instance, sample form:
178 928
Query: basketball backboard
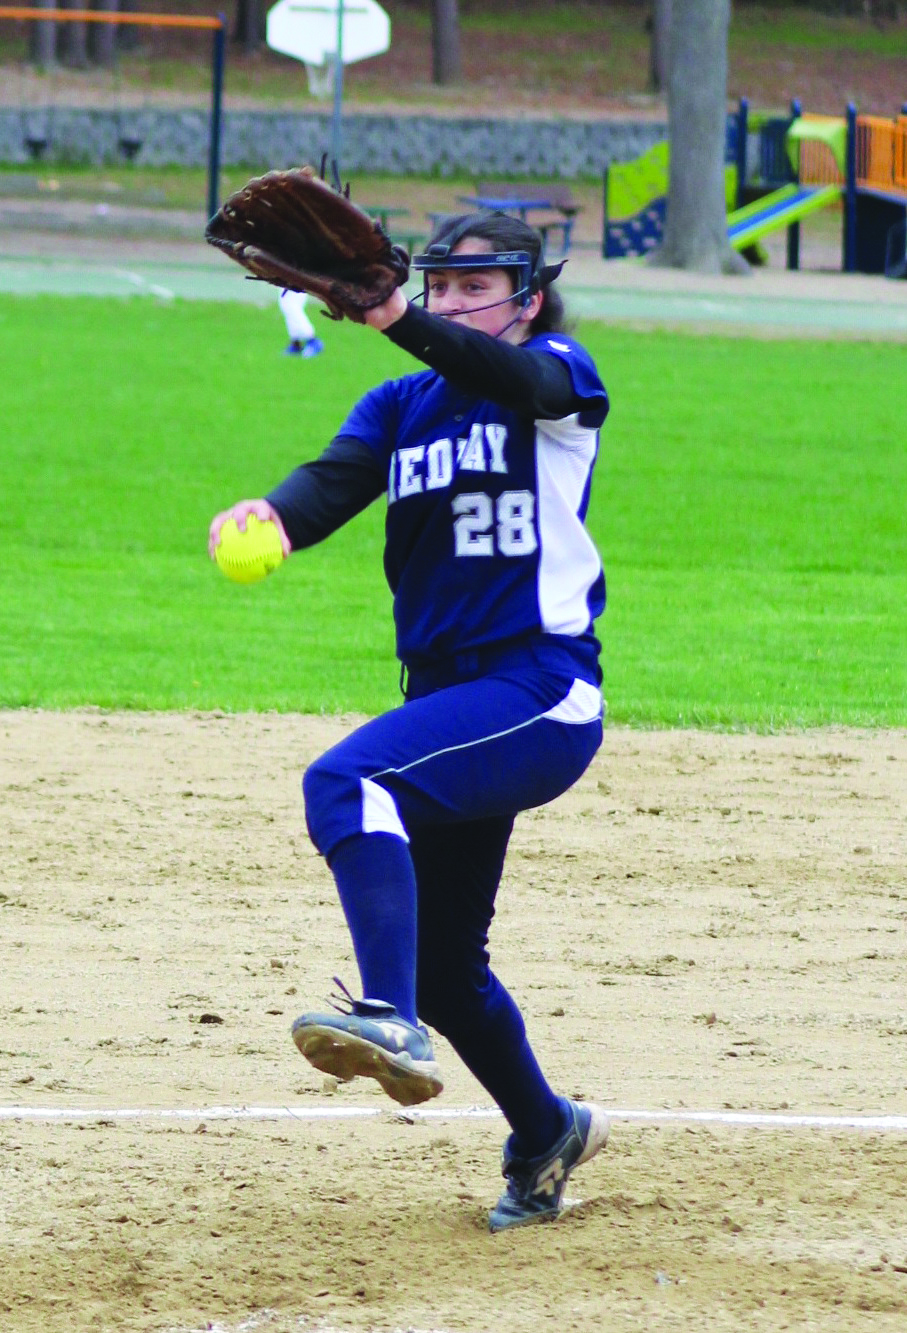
307 30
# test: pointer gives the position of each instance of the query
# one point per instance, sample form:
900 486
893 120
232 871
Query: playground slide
779 209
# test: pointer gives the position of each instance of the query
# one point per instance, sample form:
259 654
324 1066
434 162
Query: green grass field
748 507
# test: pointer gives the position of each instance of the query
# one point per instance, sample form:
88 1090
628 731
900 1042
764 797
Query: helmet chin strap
475 310
516 319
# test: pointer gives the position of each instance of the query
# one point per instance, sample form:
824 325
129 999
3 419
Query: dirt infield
711 922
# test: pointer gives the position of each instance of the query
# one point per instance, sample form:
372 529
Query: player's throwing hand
239 513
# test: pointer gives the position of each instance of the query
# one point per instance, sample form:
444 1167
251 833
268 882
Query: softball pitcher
486 460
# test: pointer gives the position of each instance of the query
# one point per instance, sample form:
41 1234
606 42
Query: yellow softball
250 556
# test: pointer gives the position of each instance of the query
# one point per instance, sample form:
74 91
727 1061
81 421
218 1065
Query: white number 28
481 525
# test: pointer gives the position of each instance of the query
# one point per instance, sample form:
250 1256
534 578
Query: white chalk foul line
757 1119
137 280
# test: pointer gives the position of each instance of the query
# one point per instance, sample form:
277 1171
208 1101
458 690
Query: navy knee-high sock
490 1038
377 887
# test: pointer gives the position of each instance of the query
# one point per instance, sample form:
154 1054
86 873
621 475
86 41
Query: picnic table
408 234
504 203
384 212
525 200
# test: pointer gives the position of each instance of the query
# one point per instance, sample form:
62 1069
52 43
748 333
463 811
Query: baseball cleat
372 1041
535 1185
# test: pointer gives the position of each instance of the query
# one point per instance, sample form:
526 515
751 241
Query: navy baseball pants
413 813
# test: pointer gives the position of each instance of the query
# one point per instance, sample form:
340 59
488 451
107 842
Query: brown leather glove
291 228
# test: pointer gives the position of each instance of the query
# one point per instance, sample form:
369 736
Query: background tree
102 37
659 43
249 28
79 44
74 39
695 235
42 38
446 60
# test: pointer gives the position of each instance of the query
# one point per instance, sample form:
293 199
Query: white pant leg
299 327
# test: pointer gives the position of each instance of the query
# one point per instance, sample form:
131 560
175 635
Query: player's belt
549 652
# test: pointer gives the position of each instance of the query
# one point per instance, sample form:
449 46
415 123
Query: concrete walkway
770 301
121 252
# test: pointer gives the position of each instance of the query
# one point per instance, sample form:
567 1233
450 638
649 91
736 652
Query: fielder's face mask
530 274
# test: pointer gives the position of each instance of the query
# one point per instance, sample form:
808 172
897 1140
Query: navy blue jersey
485 536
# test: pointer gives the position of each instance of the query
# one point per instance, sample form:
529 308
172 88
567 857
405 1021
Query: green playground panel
633 186
830 131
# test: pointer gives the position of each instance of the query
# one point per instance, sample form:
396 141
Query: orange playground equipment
875 198
779 169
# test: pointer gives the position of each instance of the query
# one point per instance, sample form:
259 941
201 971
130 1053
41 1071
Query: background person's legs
300 329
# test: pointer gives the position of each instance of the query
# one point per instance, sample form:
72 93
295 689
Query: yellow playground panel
635 199
817 149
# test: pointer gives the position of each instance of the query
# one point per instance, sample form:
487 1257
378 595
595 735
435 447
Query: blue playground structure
779 170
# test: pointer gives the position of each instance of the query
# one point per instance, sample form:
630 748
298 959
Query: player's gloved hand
293 229
240 512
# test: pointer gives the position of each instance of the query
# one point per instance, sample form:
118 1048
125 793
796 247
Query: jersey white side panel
568 564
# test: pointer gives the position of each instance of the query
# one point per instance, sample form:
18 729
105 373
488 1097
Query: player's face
462 293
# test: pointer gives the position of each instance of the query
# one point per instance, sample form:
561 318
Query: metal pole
742 131
850 194
793 231
217 89
338 89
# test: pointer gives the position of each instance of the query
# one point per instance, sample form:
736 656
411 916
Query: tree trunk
659 45
446 62
74 39
42 37
129 35
695 235
102 37
250 25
